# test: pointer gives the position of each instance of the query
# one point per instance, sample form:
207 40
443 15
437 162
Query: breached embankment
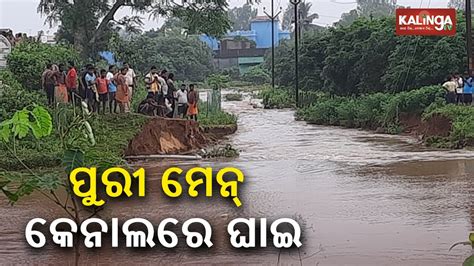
162 136
434 126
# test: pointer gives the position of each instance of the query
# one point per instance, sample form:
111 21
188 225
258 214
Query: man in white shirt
182 96
163 83
131 80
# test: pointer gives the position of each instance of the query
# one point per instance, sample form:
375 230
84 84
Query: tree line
366 56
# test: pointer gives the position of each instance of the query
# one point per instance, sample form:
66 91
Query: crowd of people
459 89
112 90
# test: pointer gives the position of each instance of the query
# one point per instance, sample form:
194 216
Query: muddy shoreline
162 136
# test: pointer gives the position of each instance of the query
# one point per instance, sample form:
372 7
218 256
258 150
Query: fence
213 102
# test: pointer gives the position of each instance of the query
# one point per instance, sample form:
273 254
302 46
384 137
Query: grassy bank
462 125
385 113
112 134
276 99
217 118
370 111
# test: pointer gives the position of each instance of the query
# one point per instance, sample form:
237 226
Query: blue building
260 32
228 53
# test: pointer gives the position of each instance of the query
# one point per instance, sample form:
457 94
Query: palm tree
305 17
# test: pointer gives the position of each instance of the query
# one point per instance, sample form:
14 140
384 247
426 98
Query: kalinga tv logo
426 21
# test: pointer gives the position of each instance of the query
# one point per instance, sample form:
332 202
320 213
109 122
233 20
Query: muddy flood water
363 199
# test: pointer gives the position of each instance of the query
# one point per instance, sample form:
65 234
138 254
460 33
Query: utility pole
273 17
295 3
469 39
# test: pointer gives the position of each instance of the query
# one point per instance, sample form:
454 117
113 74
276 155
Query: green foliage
13 97
38 121
72 159
241 17
257 75
366 57
462 131
28 60
217 81
185 56
278 98
219 118
369 111
88 24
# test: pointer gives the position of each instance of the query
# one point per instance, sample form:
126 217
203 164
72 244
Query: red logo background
425 30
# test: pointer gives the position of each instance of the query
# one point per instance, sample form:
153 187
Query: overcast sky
21 15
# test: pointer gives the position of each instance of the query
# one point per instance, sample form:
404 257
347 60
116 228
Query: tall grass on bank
370 111
462 130
216 118
276 99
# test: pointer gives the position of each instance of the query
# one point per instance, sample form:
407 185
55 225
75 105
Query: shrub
14 97
219 118
370 111
414 101
28 60
276 98
256 75
462 131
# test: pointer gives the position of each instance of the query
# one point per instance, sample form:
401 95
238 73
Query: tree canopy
240 17
305 16
186 56
87 24
367 56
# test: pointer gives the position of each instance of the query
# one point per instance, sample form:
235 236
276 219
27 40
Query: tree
366 56
257 75
458 4
28 60
241 17
369 9
376 8
347 18
305 17
87 23
186 56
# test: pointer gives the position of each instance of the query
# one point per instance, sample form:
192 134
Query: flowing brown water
364 199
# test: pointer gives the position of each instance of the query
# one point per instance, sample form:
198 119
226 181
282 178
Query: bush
276 98
462 117
217 118
28 60
256 75
14 97
370 111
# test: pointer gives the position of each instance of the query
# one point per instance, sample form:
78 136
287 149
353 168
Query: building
6 38
244 49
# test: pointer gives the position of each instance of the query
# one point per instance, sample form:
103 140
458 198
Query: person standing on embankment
122 96
467 90
131 80
71 81
193 99
450 86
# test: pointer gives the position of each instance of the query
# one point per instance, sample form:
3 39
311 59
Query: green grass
217 118
112 134
277 98
462 132
370 111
